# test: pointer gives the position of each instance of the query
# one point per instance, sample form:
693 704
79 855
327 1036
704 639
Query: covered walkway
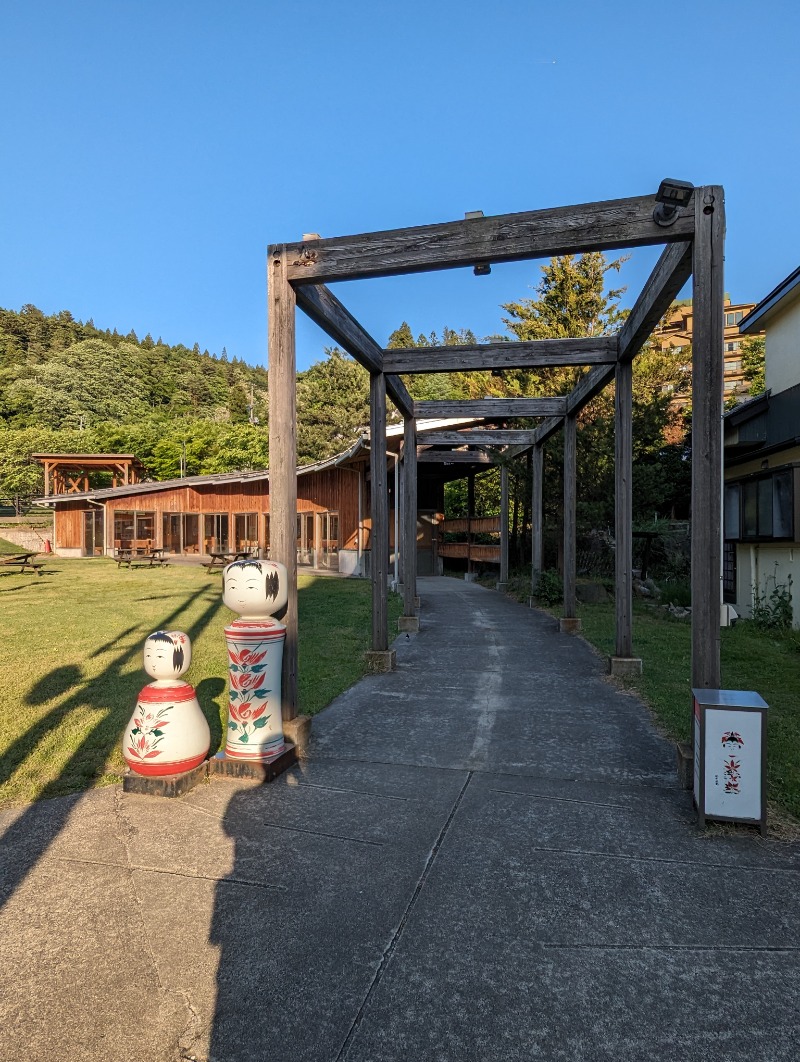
485 857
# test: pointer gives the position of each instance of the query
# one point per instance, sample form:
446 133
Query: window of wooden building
305 538
93 533
245 531
328 556
133 530
215 532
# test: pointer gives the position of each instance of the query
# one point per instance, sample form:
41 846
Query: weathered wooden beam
453 457
503 524
707 372
322 306
570 512
379 506
589 385
470 515
398 392
501 238
537 540
409 556
476 437
283 455
546 430
670 273
623 509
538 353
325 310
492 408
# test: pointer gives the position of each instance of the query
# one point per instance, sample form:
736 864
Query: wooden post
537 475
470 515
283 456
409 620
570 622
379 659
707 373
623 661
503 528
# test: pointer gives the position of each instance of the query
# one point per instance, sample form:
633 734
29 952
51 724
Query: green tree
332 406
753 364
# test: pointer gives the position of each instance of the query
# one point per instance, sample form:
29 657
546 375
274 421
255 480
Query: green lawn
750 660
70 660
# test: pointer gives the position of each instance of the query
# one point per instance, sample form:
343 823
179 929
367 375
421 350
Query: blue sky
152 150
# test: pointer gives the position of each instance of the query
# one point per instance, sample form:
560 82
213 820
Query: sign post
730 757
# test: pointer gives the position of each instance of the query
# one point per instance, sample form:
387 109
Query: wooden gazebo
689 221
69 473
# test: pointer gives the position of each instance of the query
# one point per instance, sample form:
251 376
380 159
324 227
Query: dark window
750 510
729 572
760 508
732 505
782 505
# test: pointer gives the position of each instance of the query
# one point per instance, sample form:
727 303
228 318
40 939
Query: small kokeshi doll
168 733
256 589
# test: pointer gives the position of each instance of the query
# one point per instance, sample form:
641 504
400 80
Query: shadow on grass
112 692
209 692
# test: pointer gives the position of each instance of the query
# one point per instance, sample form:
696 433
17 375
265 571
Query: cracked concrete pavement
486 856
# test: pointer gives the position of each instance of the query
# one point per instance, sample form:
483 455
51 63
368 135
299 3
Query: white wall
783 345
765 566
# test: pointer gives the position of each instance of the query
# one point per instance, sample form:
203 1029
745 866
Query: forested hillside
66 386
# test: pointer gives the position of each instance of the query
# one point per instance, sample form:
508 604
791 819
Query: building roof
394 436
756 319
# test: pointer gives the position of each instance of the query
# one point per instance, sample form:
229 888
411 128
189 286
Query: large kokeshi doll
168 733
256 589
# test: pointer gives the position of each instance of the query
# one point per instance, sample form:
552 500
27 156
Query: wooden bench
155 559
22 561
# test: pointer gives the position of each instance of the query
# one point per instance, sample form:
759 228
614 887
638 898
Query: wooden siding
331 490
68 524
463 551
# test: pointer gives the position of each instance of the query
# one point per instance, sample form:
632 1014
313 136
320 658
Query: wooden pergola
693 235
69 473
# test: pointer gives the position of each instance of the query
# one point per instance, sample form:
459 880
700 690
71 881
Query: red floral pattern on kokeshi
168 733
255 655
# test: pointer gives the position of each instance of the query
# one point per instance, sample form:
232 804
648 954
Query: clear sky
152 150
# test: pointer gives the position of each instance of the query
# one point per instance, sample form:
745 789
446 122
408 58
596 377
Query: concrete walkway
486 857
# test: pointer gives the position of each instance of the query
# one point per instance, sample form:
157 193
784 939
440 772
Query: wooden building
198 515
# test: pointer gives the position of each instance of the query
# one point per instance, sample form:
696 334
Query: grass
750 660
70 663
7 548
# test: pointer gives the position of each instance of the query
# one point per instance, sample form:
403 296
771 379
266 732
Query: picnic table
221 557
152 558
22 561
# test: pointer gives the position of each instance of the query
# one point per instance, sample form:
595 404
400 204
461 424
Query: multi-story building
675 333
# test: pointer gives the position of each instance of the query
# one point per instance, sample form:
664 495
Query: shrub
773 611
549 587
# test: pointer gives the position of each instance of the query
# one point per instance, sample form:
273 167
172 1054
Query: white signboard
733 764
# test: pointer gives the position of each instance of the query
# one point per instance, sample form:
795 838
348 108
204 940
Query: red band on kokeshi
167 694
154 769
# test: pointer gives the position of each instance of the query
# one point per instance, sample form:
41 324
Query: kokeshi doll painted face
167 655
256 589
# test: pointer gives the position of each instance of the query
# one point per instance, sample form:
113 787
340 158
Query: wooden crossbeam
544 431
538 353
322 306
500 238
671 272
478 437
453 457
589 385
492 408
